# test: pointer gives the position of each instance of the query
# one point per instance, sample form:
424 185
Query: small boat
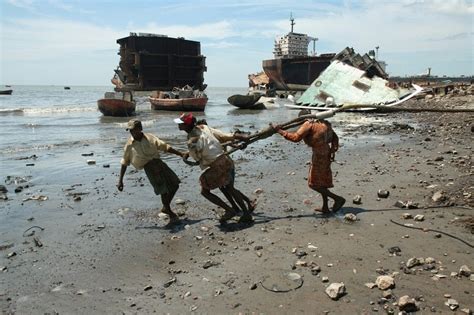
184 99
111 106
248 101
6 92
67 88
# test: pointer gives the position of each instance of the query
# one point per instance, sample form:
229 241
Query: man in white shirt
142 150
204 144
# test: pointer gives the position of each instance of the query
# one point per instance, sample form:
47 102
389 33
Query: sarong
320 175
161 177
220 173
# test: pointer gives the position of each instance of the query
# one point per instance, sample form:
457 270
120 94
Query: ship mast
292 22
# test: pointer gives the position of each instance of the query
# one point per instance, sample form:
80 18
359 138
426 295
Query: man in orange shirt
319 135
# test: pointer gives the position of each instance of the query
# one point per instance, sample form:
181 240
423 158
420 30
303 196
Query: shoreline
110 253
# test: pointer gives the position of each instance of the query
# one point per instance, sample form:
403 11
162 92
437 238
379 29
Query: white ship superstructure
292 45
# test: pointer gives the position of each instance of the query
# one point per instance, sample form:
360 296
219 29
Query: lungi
161 177
220 173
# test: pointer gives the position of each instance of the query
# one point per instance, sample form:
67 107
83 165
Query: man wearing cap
204 144
142 150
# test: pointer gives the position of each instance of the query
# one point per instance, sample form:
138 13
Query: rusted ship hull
295 74
194 104
156 62
116 107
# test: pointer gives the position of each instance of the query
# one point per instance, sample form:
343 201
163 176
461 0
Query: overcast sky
74 42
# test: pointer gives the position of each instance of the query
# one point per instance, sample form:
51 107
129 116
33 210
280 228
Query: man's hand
120 186
185 155
276 127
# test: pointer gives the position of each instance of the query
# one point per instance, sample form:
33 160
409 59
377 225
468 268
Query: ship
292 68
150 62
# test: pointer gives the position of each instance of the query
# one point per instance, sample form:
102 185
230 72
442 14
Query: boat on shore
118 107
184 99
248 101
6 92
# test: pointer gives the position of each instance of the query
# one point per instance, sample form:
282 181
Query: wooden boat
191 104
180 99
248 101
6 92
116 107
67 88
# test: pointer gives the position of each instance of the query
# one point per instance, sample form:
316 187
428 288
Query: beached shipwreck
151 62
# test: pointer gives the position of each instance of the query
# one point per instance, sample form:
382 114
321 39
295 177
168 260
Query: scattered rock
258 191
407 304
412 262
385 282
350 217
179 201
465 271
395 250
383 193
91 162
407 216
452 304
438 196
419 217
357 200
335 290
147 288
370 285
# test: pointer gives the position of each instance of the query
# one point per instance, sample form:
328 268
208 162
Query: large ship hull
295 74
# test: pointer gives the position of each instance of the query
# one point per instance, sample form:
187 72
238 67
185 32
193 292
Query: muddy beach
88 248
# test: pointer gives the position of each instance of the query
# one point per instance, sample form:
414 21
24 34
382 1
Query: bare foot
338 203
246 218
227 216
252 205
322 210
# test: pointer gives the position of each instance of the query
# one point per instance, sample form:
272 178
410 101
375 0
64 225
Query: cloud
221 45
217 30
23 4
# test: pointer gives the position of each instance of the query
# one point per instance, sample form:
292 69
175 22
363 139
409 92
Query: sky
59 42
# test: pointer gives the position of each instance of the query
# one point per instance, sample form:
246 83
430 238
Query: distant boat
8 86
6 92
184 99
67 88
116 105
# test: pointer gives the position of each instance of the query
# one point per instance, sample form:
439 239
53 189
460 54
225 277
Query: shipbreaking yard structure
156 62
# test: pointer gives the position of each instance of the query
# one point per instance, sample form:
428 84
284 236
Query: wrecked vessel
157 62
292 68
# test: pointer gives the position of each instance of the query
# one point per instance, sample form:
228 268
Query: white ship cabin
291 45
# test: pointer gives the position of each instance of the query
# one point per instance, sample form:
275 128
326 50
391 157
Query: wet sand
110 252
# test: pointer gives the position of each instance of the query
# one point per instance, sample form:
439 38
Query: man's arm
178 153
123 169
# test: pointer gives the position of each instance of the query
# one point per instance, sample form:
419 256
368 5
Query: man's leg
166 199
229 197
229 212
338 200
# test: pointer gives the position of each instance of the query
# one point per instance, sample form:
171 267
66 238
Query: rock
91 162
350 217
383 193
407 216
466 311
312 248
179 201
395 250
3 189
400 204
370 285
452 304
387 294
357 200
147 288
385 282
253 286
258 191
407 304
335 290
325 279
465 271
412 262
419 217
430 260
438 196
